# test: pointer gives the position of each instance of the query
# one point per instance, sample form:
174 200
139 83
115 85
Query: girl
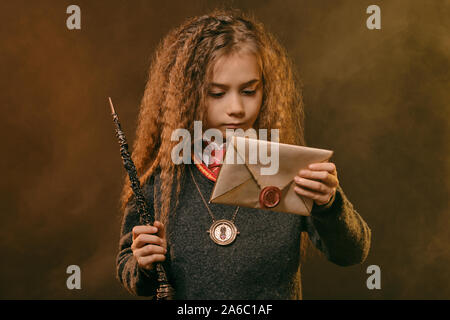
225 70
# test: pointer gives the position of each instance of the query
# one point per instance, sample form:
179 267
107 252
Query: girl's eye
221 94
216 94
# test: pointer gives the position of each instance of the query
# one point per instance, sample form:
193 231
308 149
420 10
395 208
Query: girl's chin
248 132
233 130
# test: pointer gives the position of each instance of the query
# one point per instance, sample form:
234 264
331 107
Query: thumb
161 229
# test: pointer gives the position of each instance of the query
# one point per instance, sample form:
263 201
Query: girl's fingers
144 239
148 250
319 198
147 261
324 176
137 230
323 166
313 185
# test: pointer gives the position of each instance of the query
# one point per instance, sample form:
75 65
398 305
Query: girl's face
235 92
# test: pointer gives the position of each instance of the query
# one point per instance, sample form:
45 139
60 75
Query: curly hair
177 85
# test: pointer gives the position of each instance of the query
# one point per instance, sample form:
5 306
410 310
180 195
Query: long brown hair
177 87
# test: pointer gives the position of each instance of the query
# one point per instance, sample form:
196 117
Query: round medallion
223 232
269 197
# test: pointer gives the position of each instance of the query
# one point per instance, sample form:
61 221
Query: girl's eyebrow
224 86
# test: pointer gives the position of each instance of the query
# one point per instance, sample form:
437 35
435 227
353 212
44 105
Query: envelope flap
267 168
230 177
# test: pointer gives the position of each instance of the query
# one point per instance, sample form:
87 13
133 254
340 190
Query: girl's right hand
149 245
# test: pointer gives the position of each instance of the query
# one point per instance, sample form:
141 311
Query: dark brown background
378 98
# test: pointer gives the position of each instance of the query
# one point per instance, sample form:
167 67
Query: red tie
215 161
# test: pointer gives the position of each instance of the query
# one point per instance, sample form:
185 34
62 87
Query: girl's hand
318 182
149 245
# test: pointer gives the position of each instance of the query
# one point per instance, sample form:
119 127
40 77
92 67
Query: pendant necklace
223 232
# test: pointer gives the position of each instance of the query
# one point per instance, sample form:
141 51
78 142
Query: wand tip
111 105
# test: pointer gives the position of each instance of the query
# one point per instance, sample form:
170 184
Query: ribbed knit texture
263 261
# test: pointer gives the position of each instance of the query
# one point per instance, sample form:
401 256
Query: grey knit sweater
263 261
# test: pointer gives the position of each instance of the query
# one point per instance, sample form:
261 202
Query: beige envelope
241 182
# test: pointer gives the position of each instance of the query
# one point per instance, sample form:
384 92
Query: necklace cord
204 201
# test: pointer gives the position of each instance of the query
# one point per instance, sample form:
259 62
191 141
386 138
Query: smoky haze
378 98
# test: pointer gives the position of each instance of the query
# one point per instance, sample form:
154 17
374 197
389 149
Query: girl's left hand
318 182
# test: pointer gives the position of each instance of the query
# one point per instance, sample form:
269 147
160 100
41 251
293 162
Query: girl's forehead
235 68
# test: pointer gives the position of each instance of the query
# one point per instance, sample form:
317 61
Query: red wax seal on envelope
269 197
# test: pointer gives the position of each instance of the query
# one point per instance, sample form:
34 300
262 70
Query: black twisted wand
146 215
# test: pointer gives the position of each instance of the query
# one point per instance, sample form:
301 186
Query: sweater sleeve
136 280
339 231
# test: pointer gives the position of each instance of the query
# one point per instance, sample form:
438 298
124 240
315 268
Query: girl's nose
236 107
